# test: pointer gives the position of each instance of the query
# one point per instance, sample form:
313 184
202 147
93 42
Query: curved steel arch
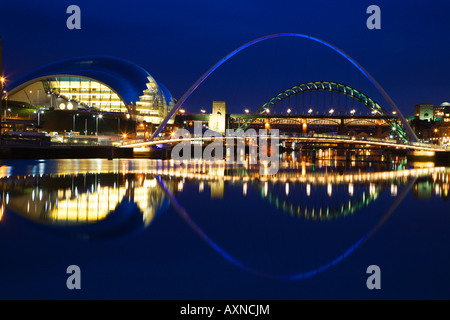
318 121
277 121
323 86
180 102
332 87
372 122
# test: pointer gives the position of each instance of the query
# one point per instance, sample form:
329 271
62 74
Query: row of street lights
310 111
95 116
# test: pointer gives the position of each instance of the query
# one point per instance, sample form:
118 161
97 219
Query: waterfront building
424 111
98 83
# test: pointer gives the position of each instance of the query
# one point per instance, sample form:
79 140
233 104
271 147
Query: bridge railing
428 145
362 139
391 142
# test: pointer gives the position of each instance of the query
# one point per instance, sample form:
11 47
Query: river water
154 229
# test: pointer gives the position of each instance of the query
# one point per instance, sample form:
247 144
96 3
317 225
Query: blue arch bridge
320 114
317 104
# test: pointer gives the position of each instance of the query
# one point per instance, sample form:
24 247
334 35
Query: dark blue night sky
177 41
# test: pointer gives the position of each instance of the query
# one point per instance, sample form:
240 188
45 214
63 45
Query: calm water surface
152 229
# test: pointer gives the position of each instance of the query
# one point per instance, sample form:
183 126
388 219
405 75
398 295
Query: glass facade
103 83
89 93
153 105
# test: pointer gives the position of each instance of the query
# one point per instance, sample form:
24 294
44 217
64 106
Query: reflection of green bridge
330 211
86 191
313 195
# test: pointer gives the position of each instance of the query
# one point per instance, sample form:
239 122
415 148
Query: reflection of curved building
81 199
102 83
71 191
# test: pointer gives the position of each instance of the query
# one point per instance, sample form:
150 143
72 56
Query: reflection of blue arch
180 102
286 277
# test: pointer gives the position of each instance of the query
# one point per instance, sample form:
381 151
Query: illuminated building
441 129
424 111
104 84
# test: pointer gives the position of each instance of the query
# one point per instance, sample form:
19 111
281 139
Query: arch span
332 87
180 102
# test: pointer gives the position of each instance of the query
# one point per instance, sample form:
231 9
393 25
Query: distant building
432 123
218 117
445 115
424 111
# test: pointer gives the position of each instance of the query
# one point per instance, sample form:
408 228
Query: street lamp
310 111
331 111
436 135
202 111
39 117
6 102
352 111
100 116
288 111
246 111
2 81
74 115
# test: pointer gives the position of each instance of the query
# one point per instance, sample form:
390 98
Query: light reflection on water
125 196
86 191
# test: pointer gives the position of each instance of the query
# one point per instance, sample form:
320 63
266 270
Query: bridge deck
311 138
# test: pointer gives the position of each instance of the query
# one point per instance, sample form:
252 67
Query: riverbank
63 152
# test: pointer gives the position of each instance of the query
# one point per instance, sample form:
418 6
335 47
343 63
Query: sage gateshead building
98 83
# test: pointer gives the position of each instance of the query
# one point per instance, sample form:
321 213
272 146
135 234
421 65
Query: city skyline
410 67
203 150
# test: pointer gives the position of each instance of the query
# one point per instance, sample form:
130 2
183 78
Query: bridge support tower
219 118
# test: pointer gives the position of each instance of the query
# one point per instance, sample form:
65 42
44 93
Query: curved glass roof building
103 83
